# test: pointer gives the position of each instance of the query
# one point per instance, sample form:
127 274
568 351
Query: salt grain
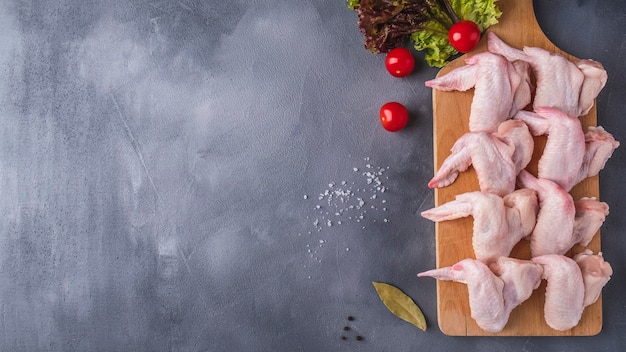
344 202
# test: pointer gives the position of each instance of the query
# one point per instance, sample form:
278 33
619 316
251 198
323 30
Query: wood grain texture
518 27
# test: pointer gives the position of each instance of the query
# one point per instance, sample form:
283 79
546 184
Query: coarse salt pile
360 200
349 201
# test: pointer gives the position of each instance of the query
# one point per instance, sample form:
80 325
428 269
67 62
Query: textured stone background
169 171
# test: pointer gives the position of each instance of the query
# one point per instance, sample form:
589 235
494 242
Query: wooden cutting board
518 27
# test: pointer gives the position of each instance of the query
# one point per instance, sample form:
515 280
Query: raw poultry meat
499 223
485 289
561 222
492 296
500 88
563 154
562 84
596 273
523 93
570 155
496 157
599 147
564 91
565 291
519 136
590 215
595 80
520 277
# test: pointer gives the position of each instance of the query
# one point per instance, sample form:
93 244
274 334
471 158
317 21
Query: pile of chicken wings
514 205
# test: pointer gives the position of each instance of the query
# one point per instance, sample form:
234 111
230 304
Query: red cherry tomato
400 62
393 116
464 36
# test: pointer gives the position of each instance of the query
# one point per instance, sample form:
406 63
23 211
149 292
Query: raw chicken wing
499 223
596 273
590 215
599 147
565 291
559 81
520 277
496 83
561 222
595 80
485 291
569 155
523 93
492 296
563 154
497 158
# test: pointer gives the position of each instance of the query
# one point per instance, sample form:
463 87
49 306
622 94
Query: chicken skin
499 223
496 157
561 222
492 296
599 147
594 82
494 79
562 84
596 273
520 277
565 148
486 298
565 291
570 155
590 215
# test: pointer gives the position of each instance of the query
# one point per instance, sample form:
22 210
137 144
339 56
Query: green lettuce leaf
386 24
352 4
482 12
434 40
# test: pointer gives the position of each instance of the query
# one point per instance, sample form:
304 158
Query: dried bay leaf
400 304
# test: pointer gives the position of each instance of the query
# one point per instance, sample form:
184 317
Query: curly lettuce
435 42
353 4
482 12
387 24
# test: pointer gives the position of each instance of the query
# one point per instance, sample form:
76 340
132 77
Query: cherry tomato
464 36
393 116
400 62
